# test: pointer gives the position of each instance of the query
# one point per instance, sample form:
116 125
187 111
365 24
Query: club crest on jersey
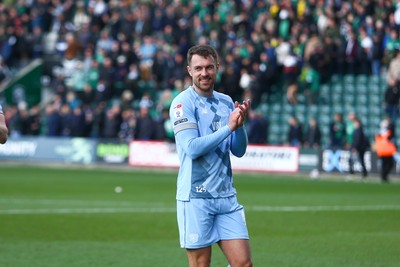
178 111
224 110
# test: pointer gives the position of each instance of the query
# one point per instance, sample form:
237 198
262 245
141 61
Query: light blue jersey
204 142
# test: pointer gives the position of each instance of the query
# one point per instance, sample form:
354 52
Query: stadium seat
376 80
361 89
276 108
375 101
263 108
374 89
349 100
336 78
361 79
348 79
349 89
337 109
337 99
325 110
324 94
288 108
361 100
362 110
336 88
324 120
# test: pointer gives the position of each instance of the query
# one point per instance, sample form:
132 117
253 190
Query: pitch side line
170 210
323 208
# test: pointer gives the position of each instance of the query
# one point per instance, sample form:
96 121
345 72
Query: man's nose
204 72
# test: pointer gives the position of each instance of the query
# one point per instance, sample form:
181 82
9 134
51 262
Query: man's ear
189 70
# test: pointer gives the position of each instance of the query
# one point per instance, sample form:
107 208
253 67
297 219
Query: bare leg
199 257
237 252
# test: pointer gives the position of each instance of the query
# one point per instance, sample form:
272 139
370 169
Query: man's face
203 71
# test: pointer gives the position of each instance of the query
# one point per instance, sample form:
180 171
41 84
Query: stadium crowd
122 62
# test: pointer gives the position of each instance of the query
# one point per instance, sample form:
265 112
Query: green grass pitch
73 217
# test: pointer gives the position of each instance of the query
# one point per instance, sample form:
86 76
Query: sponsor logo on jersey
180 121
178 111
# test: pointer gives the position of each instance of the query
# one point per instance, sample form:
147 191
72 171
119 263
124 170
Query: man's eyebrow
200 66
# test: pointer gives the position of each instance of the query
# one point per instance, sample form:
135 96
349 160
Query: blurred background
108 70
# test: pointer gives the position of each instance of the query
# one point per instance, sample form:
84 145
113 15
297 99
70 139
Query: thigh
196 223
236 251
231 221
199 257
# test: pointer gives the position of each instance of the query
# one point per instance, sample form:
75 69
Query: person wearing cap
3 127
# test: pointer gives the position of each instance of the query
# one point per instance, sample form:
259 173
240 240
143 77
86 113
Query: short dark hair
202 50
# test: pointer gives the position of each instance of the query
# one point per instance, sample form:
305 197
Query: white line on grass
65 202
85 210
323 208
169 210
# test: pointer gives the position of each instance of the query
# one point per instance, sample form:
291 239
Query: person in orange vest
385 147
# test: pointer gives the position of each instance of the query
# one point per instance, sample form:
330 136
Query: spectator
349 140
257 128
264 79
351 117
78 122
132 78
145 125
107 75
391 100
392 94
313 134
295 133
34 121
309 80
53 120
366 50
5 72
112 122
284 31
352 51
87 96
164 127
377 54
385 148
337 132
359 146
66 120
290 74
3 127
230 82
128 125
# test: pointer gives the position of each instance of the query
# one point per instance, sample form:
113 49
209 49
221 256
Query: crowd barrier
258 158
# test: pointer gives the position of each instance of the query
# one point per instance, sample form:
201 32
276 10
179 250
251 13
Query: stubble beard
206 89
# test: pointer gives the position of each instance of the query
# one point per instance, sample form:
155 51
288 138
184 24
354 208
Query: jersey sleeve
239 142
196 146
186 131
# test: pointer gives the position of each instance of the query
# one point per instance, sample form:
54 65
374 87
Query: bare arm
3 129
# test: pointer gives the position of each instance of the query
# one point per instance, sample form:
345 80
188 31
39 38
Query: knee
244 263
249 263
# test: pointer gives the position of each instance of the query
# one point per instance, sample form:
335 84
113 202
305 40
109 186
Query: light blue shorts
205 221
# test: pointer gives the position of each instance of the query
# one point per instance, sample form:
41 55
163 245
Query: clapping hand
238 115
